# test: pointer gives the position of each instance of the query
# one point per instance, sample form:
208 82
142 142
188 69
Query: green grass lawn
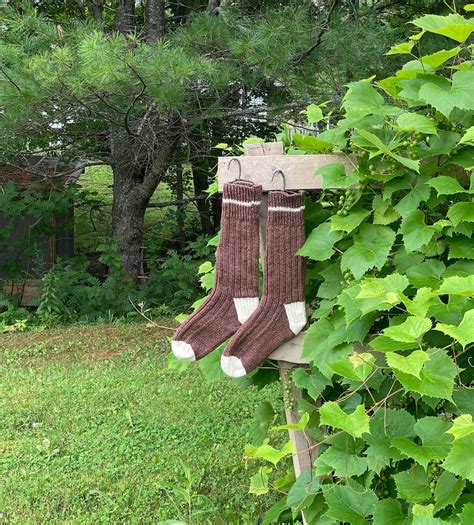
93 425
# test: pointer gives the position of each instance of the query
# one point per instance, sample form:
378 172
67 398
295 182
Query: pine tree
134 84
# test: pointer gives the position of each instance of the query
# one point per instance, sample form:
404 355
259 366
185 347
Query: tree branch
325 26
10 79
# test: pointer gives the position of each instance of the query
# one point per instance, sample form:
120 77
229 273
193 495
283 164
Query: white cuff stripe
283 208
240 203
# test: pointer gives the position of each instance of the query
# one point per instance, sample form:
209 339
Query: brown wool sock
281 313
235 295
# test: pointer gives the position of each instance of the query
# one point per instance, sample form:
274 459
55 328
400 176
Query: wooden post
305 455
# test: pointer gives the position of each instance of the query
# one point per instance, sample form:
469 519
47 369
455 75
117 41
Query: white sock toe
232 366
183 350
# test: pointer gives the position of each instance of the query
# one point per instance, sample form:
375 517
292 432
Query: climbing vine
388 396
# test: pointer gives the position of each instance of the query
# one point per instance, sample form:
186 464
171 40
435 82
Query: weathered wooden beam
298 169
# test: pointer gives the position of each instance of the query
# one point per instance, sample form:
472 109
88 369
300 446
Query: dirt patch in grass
89 344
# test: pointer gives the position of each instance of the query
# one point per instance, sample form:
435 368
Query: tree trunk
128 216
180 207
125 16
201 183
212 6
97 9
155 19
135 180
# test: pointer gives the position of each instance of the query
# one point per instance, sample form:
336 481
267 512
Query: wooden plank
264 148
290 352
298 170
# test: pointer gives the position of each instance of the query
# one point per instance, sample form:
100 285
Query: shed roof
40 171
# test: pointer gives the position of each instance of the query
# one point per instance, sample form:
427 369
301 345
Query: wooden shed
25 253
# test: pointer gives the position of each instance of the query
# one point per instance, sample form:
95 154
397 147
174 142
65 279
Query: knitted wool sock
281 313
235 294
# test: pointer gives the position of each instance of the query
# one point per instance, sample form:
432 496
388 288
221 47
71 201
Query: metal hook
239 178
276 171
240 167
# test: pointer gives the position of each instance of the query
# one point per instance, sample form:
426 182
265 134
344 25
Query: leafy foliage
390 264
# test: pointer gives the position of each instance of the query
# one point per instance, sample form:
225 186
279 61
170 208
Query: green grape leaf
461 212
413 485
373 290
445 185
416 122
269 453
259 481
384 425
460 460
464 401
319 246
435 442
334 176
467 514
323 343
263 419
447 490
331 286
468 137
314 382
453 26
389 512
371 248
313 113
420 193
401 49
343 463
429 520
410 364
301 425
459 94
436 378
415 232
205 267
421 303
410 331
384 213
462 426
214 241
461 248
350 222
413 165
464 333
382 343
207 280
362 98
303 491
354 424
457 285
311 144
357 366
440 57
349 504
422 510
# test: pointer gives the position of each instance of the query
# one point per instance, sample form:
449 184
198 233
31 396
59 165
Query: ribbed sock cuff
285 207
241 200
